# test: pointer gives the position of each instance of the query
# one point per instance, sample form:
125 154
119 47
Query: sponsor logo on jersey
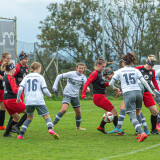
146 77
142 70
150 72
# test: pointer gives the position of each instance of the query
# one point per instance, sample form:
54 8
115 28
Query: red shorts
13 107
148 99
1 95
100 100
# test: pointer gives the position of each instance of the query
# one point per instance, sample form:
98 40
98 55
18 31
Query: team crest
150 72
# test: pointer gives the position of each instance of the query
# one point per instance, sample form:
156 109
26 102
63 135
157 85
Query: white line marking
136 151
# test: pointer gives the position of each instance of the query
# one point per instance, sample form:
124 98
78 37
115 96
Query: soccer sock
21 121
139 119
143 120
154 122
24 127
49 123
133 119
10 120
9 127
78 121
115 121
158 117
102 124
58 117
121 118
2 117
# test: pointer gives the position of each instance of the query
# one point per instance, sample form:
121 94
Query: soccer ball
108 117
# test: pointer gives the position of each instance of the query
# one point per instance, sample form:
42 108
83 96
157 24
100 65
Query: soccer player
10 96
6 57
75 80
157 98
21 72
149 75
108 74
99 97
32 85
128 76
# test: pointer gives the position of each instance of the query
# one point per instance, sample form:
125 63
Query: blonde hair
4 55
152 57
34 66
4 65
100 62
151 60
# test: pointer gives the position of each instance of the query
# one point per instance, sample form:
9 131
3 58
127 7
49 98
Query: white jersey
157 74
129 78
74 83
33 83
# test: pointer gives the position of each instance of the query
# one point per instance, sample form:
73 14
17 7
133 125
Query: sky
29 13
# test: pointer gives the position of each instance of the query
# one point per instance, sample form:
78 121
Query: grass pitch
79 145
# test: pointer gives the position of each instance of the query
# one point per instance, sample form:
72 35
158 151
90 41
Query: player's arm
84 81
20 90
64 75
155 82
13 84
44 87
91 78
144 82
17 70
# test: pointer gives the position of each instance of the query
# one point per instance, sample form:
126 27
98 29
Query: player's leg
15 119
157 99
2 115
102 102
76 106
65 104
21 108
122 113
150 104
30 110
158 120
50 126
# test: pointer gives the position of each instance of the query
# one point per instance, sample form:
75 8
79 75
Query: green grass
79 145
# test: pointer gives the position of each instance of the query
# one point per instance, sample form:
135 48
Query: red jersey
97 81
149 76
10 87
20 73
1 74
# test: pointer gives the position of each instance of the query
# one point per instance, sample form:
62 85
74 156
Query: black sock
2 117
9 127
21 121
102 124
153 122
10 120
115 121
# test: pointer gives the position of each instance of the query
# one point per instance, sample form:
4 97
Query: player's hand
117 90
54 89
88 90
50 96
83 96
153 95
119 94
18 100
159 91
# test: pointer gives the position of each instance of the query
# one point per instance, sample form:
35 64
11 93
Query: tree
75 27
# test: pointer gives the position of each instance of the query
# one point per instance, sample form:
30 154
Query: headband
150 63
10 67
22 56
108 72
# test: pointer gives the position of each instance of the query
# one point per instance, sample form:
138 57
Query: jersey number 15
130 78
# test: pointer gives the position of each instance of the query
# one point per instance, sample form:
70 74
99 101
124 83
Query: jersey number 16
32 85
